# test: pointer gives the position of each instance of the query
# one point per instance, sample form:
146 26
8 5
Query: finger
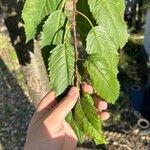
99 103
87 88
48 102
104 115
65 106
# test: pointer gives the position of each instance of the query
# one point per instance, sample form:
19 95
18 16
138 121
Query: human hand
48 129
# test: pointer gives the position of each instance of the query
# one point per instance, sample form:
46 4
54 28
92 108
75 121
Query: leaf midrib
65 45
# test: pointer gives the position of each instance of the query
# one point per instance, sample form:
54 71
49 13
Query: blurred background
24 81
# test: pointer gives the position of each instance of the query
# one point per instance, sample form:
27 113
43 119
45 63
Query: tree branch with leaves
100 27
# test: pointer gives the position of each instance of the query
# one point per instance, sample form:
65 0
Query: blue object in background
146 105
137 97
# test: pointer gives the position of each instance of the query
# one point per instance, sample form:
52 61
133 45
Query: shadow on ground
15 111
12 18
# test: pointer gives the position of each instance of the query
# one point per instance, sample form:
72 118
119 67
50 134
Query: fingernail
72 91
104 115
91 90
102 105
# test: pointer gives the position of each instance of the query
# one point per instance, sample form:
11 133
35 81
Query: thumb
66 105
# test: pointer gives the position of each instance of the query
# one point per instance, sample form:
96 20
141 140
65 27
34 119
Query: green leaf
52 33
88 120
61 67
99 41
34 11
75 127
104 78
120 4
109 14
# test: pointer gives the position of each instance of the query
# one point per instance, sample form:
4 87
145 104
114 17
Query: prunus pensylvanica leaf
34 11
109 14
88 120
104 77
61 67
99 42
52 33
70 119
102 31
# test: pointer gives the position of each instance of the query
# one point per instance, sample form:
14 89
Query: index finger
48 102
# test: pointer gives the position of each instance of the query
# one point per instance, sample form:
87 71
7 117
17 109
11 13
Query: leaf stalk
76 81
85 17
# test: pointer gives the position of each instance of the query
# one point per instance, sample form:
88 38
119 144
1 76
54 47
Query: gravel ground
15 105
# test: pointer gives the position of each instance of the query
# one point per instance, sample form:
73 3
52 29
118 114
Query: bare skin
48 129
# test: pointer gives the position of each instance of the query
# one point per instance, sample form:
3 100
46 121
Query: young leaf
104 78
99 41
52 33
33 13
88 120
108 15
61 67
